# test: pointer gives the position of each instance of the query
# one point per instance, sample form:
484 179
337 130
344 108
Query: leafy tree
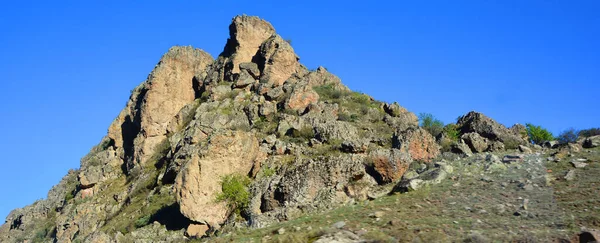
431 124
538 134
568 136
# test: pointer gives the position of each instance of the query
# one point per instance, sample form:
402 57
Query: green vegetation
235 192
452 132
589 132
538 134
431 124
568 136
302 135
330 92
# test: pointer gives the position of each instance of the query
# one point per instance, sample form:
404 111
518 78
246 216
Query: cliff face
303 141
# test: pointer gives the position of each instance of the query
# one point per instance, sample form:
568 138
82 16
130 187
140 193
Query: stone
246 34
301 97
389 165
578 164
418 143
488 128
525 149
592 142
339 224
396 110
342 236
589 235
551 144
281 231
243 79
512 158
274 93
476 142
430 177
250 68
198 183
196 230
277 60
461 148
142 124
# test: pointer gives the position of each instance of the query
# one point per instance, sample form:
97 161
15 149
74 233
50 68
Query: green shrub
431 124
589 132
451 130
538 134
329 92
235 192
143 221
305 133
568 136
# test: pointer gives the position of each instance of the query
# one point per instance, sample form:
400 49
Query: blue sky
67 68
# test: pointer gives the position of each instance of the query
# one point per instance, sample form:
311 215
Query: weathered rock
251 68
520 130
496 146
244 79
512 158
579 164
525 149
488 128
342 236
589 235
570 175
196 230
277 60
301 97
143 123
430 177
476 142
592 142
396 110
461 148
198 182
389 165
418 143
246 34
551 144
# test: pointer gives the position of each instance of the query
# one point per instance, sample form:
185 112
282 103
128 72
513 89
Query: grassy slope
471 206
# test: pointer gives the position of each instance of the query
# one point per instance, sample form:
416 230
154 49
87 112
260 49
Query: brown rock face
198 183
196 230
476 143
247 33
418 143
390 165
277 60
301 98
143 123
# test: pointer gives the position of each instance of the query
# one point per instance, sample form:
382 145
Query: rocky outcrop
474 122
304 140
476 142
143 123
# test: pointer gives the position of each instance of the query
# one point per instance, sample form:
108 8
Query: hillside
255 146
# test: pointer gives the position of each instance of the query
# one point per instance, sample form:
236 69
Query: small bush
568 136
143 221
431 124
329 92
235 192
305 133
451 130
537 134
589 132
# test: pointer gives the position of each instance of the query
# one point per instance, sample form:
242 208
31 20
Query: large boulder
418 143
198 183
476 142
490 129
388 165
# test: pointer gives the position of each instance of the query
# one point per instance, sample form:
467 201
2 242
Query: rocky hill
253 138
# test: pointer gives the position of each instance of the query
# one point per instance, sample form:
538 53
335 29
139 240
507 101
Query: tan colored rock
278 60
418 143
143 123
246 33
196 230
476 142
198 183
302 97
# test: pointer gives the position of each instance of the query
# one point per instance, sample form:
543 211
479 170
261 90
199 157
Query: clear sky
67 67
